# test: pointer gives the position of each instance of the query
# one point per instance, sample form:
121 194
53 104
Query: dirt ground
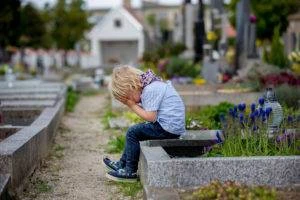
73 170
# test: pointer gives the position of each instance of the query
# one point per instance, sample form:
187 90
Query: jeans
137 133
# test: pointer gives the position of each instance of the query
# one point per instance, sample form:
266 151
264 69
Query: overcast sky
106 3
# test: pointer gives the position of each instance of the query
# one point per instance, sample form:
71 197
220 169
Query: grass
72 99
116 144
42 186
129 189
92 92
208 116
231 190
57 151
108 114
246 136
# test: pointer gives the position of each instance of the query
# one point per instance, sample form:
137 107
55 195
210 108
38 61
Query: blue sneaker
112 165
122 176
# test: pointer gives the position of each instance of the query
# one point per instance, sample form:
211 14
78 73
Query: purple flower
231 112
290 119
235 109
242 107
219 139
253 106
208 148
261 111
261 101
252 18
279 138
256 113
241 117
255 128
268 111
252 116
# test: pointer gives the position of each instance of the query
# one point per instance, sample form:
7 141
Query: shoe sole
121 180
107 167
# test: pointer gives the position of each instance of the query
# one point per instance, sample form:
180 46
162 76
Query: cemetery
234 66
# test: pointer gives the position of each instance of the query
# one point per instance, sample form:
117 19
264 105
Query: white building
117 38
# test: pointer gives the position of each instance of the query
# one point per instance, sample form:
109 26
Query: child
155 101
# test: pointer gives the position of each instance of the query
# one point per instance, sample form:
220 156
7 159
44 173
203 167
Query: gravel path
74 170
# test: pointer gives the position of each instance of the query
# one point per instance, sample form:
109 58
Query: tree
270 13
277 56
9 25
69 23
32 27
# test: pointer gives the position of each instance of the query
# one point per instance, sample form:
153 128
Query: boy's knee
131 132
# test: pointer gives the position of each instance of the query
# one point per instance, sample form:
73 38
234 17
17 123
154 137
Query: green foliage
288 95
208 116
182 67
9 22
151 19
164 51
32 27
42 186
132 117
69 23
233 190
3 69
72 99
250 137
269 13
277 56
116 144
130 189
108 114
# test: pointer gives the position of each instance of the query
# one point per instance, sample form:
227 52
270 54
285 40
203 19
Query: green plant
277 56
130 189
116 144
42 186
208 116
288 95
132 117
182 67
108 114
247 134
3 69
233 190
72 99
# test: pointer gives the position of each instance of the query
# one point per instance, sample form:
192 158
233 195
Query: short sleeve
152 96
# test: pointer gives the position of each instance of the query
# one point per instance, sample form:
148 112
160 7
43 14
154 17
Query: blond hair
125 79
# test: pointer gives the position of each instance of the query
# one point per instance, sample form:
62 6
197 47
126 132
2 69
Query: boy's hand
127 102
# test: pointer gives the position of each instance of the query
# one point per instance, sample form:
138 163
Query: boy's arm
146 115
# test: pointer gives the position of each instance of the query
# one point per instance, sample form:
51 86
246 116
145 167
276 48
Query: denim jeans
137 133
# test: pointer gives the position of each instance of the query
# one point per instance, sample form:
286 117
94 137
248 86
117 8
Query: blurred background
199 41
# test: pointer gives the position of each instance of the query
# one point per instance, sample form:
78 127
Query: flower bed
248 133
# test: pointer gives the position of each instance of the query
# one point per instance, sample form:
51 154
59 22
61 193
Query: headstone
242 21
188 29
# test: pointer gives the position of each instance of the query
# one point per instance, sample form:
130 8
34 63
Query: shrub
288 95
163 51
281 78
277 56
72 99
209 116
116 144
182 67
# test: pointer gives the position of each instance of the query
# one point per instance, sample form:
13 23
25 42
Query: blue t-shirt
162 97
